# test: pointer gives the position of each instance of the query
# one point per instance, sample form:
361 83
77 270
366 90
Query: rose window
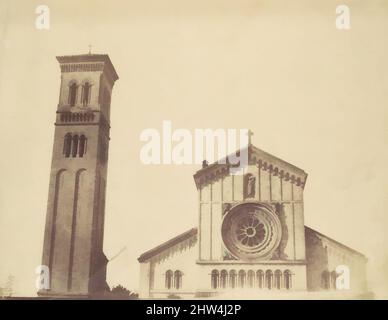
251 231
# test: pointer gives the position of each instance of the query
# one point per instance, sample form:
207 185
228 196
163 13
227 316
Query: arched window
75 146
268 279
177 279
260 279
242 278
325 279
224 279
333 278
169 275
278 277
82 146
72 94
232 278
251 279
86 90
67 145
287 279
215 277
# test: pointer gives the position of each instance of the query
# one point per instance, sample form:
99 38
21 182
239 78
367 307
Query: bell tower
73 238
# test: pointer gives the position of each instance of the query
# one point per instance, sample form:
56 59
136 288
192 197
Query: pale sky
313 95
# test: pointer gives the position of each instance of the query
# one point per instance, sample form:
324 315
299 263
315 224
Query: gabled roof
256 156
168 244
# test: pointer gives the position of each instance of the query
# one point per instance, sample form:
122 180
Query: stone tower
73 239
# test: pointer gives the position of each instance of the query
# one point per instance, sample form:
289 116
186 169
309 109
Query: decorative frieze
82 67
174 250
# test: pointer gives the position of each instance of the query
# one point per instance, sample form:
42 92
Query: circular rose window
251 231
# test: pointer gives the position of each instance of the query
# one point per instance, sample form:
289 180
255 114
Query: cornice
263 160
88 62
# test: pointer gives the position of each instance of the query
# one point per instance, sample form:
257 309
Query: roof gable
309 230
194 231
257 157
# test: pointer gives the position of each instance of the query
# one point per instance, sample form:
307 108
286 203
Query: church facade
251 239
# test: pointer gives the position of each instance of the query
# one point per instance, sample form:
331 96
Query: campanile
73 238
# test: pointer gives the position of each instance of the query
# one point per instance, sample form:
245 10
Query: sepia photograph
202 150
